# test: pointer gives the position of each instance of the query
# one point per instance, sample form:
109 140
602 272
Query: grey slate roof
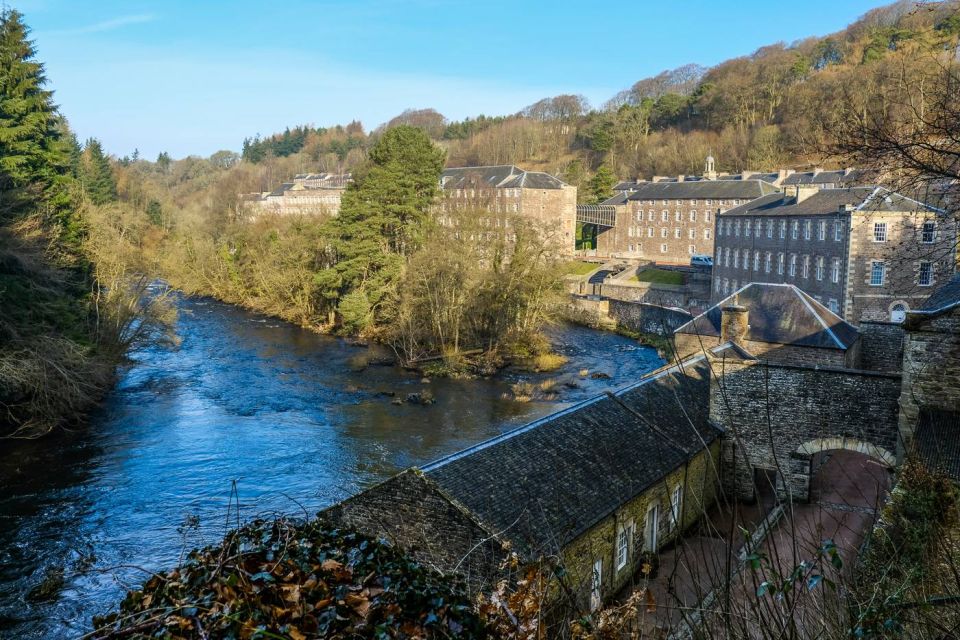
705 189
620 198
943 299
937 441
779 314
829 201
505 176
841 177
544 484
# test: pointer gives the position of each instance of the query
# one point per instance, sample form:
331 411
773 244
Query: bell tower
710 169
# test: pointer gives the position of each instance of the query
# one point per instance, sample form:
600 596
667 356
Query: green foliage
96 174
284 579
601 185
355 312
283 144
660 276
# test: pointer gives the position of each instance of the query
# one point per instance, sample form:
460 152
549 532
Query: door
652 530
595 583
898 313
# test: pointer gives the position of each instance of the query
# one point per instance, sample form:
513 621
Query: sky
197 76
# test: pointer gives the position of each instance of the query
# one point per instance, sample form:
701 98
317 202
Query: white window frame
793 265
623 544
795 232
596 584
822 230
651 528
807 229
770 228
767 262
923 232
877 267
818 268
783 229
835 270
929 279
781 261
676 506
879 231
805 268
756 261
837 231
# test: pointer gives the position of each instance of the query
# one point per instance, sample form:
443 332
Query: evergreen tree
601 185
164 161
96 174
383 217
32 154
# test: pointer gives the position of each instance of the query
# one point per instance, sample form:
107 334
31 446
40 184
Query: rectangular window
652 528
664 215
676 232
663 232
729 226
879 231
736 229
706 216
783 229
595 582
692 249
663 248
692 233
877 273
650 215
693 215
726 286
706 234
795 232
835 270
806 229
726 257
834 306
806 267
926 274
769 228
756 261
821 230
676 506
623 544
736 258
767 262
780 261
837 231
693 202
929 232
746 228
733 285
678 215
716 285
793 265
819 272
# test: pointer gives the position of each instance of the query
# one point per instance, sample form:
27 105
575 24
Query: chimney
680 178
817 171
804 192
734 322
658 178
847 171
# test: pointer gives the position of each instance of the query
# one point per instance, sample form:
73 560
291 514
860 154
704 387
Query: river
293 420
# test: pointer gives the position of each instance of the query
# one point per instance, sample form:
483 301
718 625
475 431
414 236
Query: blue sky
195 76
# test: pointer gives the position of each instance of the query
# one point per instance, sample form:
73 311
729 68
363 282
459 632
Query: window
795 232
663 232
877 273
726 286
736 258
806 267
650 215
767 262
929 232
595 582
708 202
746 260
783 229
693 215
676 232
837 231
624 538
769 228
706 234
717 285
726 257
706 216
793 265
898 313
819 268
693 202
692 234
729 226
780 261
879 231
756 261
926 274
835 270
821 230
834 306
664 201
733 285
736 229
746 228
692 249
664 215
652 528
676 506
649 232
663 248
678 215
806 229
630 231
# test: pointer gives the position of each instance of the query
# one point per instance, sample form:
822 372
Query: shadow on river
284 412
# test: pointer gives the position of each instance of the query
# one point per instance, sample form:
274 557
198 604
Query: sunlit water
293 417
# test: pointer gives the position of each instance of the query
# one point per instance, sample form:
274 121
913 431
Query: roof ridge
803 297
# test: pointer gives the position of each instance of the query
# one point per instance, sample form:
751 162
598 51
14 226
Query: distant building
306 194
668 220
506 189
867 253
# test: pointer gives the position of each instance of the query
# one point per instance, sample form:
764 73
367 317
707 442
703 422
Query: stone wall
931 368
778 416
646 318
694 294
410 512
881 346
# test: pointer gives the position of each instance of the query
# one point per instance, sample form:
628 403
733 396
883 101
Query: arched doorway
845 472
898 312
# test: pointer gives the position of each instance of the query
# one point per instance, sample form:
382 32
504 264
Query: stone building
930 397
306 194
866 253
504 191
595 485
668 222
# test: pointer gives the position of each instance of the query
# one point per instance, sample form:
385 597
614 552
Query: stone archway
801 467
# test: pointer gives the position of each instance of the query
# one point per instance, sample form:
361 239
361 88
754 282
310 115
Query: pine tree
601 184
96 174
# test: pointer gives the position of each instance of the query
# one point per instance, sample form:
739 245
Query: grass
579 267
659 276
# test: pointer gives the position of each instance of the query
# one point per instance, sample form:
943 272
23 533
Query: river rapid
247 416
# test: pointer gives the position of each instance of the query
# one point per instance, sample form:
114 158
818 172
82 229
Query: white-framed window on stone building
746 260
726 257
925 277
693 215
717 285
706 216
663 232
879 231
837 231
767 262
677 215
676 233
806 267
664 201
929 232
663 248
806 229
664 215
693 203
819 268
746 228
736 229
692 234
624 541
651 530
692 249
596 580
769 228
795 232
822 230
878 272
649 232
793 265
630 248
651 215
676 506
835 270
726 286
733 285
708 202
833 305
783 229
630 232
736 258
756 261
729 226
780 261
706 234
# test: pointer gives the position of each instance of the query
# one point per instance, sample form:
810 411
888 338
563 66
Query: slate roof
620 198
779 314
705 189
943 299
544 484
829 201
504 176
937 441
842 177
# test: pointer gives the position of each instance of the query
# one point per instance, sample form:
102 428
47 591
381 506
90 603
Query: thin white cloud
107 25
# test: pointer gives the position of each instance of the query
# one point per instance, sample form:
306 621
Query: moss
660 276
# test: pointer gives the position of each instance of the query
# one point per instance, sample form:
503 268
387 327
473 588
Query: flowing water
247 416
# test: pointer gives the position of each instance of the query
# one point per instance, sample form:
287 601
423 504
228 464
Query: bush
355 312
